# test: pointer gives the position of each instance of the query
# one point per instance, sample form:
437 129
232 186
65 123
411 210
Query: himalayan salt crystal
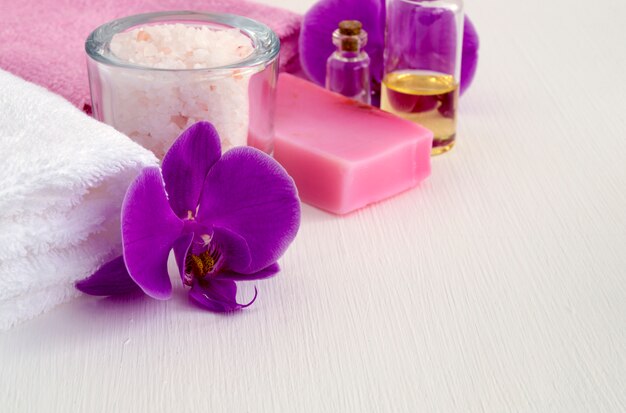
342 154
154 106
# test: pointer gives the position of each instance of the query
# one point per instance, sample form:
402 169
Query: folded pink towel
44 41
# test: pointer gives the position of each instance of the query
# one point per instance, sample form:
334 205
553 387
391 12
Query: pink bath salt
153 107
181 46
344 155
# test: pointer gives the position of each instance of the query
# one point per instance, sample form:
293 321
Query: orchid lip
202 264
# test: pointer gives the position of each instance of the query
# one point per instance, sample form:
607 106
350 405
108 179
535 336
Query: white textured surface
497 286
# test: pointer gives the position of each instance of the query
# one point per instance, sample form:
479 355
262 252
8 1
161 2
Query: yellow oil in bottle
427 98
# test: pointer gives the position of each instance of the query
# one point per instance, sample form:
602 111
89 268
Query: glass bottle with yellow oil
423 47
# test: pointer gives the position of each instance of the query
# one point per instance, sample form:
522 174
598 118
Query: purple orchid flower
322 19
227 217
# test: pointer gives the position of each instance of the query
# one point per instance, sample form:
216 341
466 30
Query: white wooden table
499 285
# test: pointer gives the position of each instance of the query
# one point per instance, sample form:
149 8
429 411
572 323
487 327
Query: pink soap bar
342 154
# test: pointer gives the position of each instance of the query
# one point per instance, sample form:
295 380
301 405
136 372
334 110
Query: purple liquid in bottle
347 69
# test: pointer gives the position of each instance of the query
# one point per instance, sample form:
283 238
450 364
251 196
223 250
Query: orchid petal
219 296
186 164
469 59
249 193
181 249
233 248
149 229
259 275
111 279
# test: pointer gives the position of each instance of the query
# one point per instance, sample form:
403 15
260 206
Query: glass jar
154 105
348 68
423 46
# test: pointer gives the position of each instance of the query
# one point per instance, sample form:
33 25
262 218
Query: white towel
63 176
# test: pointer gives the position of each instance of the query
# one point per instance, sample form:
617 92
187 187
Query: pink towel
44 41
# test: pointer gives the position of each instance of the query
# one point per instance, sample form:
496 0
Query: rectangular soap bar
342 154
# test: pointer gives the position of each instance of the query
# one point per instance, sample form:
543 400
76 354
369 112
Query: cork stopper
350 27
349 31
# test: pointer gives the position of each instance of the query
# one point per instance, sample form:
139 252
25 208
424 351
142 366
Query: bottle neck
345 54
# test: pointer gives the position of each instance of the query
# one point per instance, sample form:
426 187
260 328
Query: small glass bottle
423 47
348 68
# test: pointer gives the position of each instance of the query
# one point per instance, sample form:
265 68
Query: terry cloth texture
62 182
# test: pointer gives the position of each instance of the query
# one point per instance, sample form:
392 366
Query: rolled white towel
63 176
